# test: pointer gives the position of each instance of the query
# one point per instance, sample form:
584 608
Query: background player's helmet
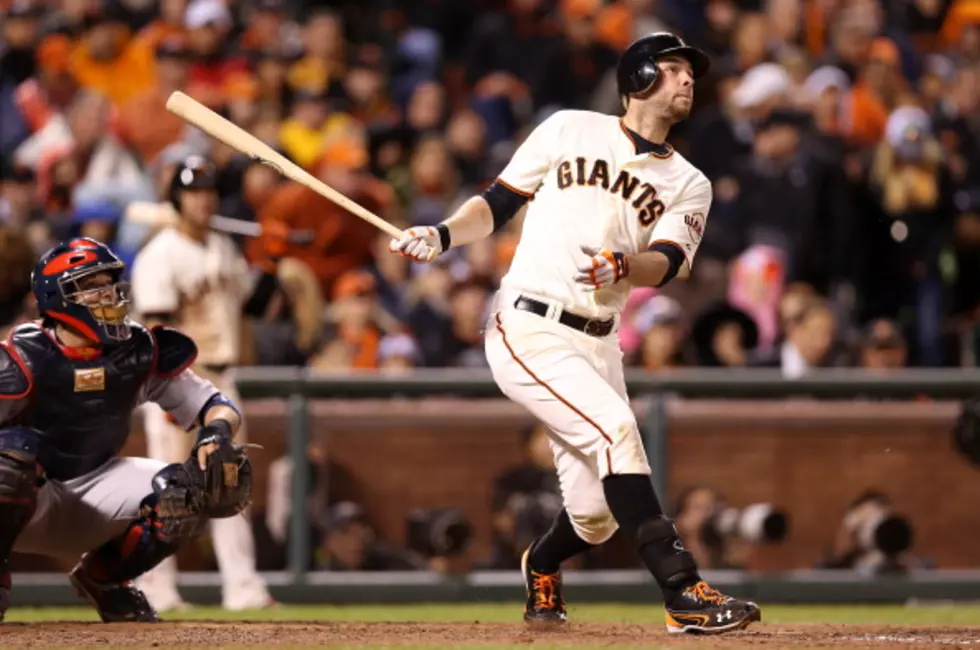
195 172
637 71
101 314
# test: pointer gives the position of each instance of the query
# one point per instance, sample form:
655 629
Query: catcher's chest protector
81 407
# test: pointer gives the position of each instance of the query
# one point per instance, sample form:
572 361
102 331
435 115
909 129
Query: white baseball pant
234 545
573 383
79 515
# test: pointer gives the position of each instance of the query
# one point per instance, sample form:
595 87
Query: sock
560 543
634 503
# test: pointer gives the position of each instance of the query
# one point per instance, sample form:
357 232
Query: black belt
591 326
215 368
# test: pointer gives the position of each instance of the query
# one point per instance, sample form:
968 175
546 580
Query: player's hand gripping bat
235 137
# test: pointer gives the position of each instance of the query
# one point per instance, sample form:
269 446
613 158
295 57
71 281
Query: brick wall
808 457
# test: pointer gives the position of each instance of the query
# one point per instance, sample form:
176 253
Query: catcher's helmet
99 313
637 71
194 173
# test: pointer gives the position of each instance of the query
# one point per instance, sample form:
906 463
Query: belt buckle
593 327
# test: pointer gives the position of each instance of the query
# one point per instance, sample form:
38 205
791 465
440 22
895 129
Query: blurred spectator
724 336
814 237
18 39
323 62
109 61
259 183
343 242
88 161
809 337
354 334
209 23
576 61
168 24
659 323
15 275
462 342
20 209
883 346
526 500
398 353
348 543
757 281
144 122
912 195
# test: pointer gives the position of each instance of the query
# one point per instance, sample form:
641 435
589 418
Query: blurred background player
196 279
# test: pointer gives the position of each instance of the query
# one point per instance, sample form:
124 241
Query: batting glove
605 268
422 244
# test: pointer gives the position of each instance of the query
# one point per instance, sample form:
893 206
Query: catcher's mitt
225 485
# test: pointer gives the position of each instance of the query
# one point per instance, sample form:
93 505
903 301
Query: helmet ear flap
647 75
644 79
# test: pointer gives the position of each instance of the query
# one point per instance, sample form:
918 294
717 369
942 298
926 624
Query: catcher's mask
77 284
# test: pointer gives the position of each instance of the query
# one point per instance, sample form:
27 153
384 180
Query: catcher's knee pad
144 544
176 505
20 478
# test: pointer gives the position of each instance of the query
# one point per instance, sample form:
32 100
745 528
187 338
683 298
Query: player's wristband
622 265
444 240
218 430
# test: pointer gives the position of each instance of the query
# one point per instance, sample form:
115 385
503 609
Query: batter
614 207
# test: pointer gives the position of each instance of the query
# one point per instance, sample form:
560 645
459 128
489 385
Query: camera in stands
438 532
757 523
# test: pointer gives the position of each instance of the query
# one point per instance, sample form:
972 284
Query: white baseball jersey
591 188
203 285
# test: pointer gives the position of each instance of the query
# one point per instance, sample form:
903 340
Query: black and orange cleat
545 606
116 603
699 609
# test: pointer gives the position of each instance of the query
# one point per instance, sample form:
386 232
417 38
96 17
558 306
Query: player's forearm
648 269
472 222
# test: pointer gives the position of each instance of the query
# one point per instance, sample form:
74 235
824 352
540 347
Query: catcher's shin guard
20 477
144 544
168 517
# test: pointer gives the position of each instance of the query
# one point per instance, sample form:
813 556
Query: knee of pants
593 525
622 450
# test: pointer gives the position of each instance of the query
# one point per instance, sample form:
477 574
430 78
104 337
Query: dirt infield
215 635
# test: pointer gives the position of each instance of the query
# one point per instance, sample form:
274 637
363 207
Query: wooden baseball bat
237 138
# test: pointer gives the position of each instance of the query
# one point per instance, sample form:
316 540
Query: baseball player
614 207
68 388
196 279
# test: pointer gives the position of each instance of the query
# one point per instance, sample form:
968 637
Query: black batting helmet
194 173
637 71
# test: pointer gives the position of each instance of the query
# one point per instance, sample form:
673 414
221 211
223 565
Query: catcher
68 387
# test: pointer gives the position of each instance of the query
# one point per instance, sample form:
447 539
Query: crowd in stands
841 137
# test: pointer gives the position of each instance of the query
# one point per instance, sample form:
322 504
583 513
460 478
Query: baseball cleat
545 605
116 603
699 609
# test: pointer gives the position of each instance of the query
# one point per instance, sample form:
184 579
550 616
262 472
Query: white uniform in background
591 188
203 287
